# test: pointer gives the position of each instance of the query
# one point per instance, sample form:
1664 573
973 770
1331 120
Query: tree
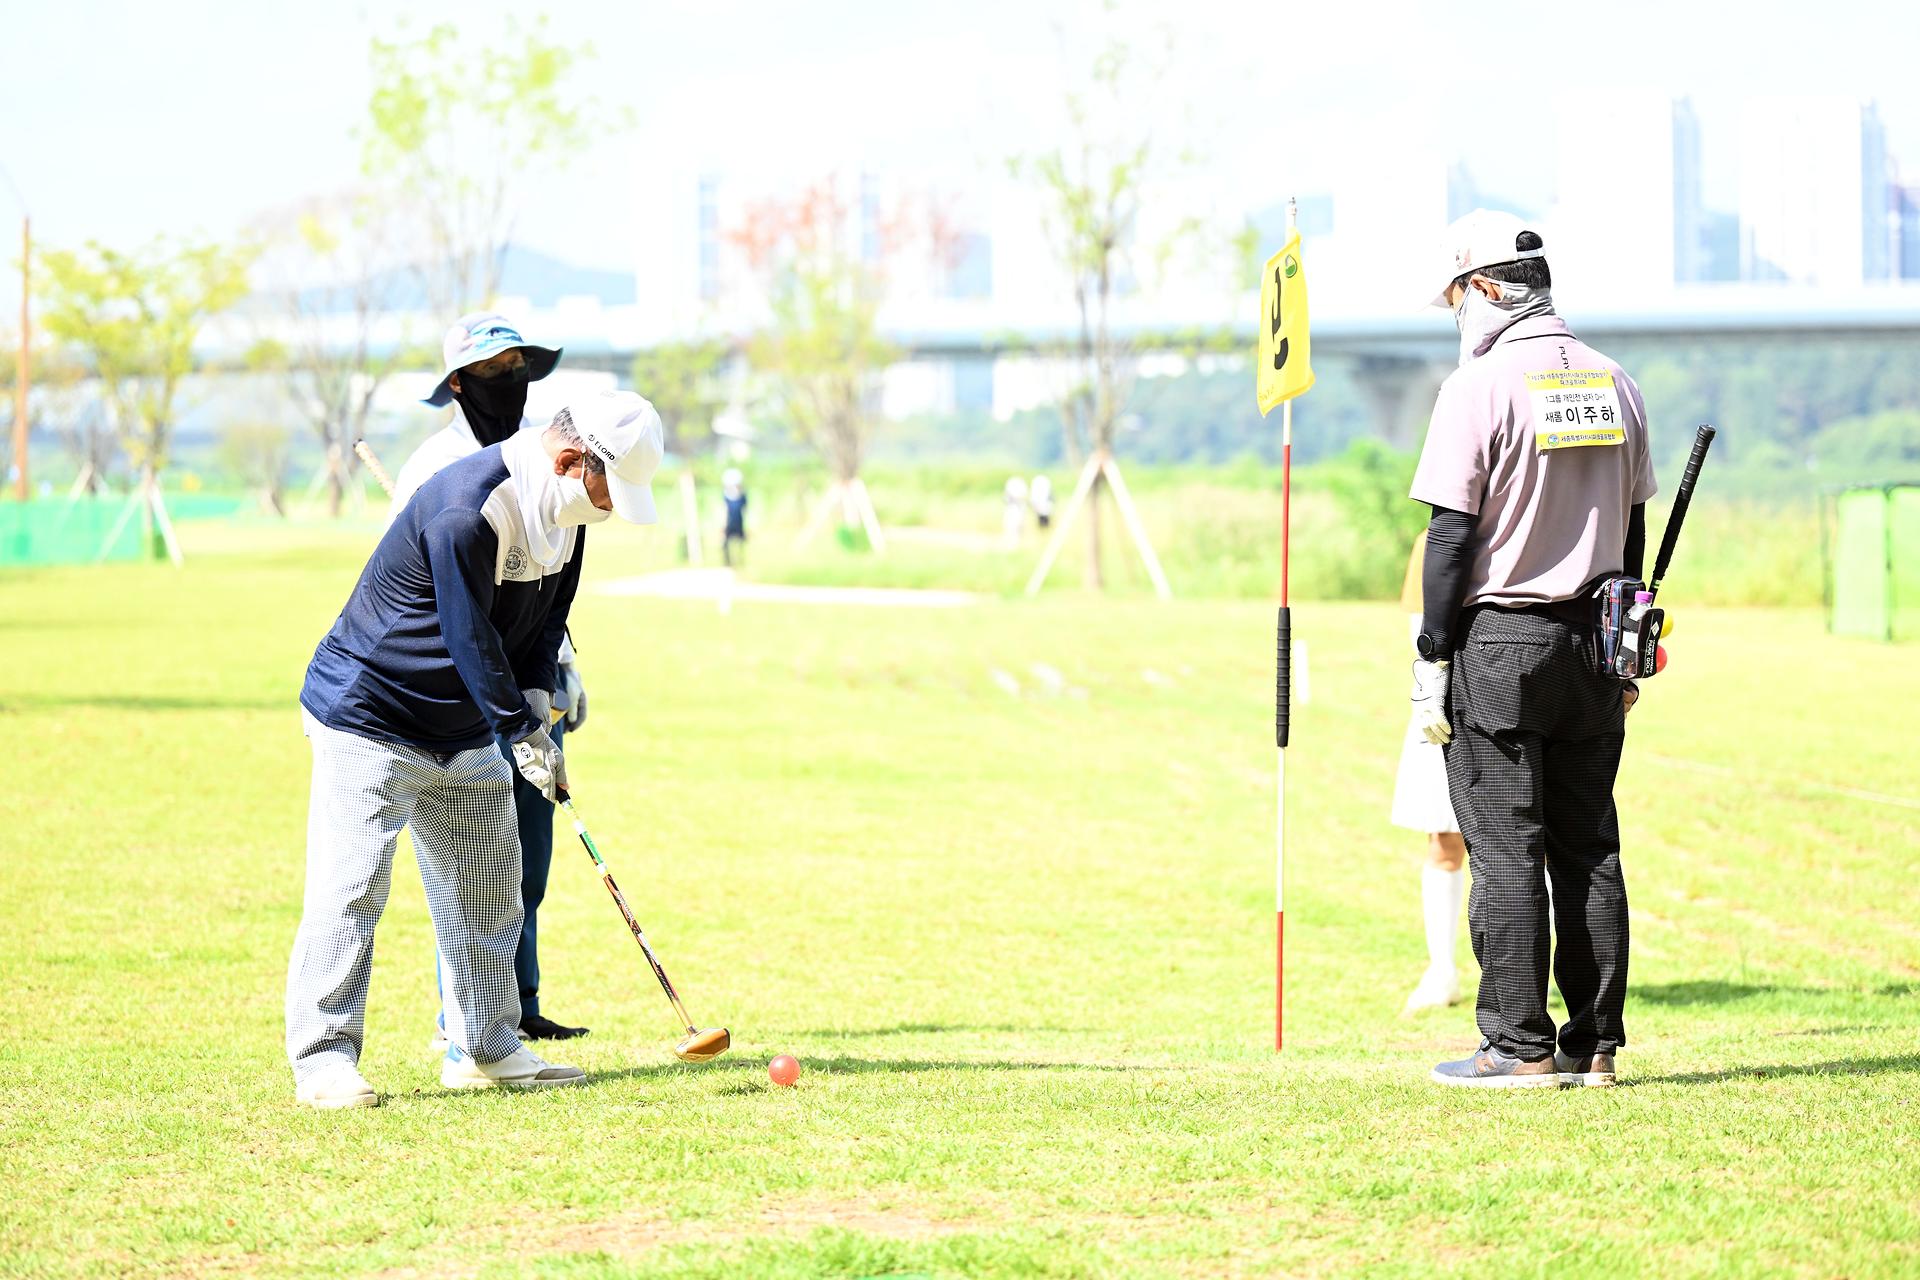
134 317
330 272
1092 187
682 379
822 348
453 126
257 452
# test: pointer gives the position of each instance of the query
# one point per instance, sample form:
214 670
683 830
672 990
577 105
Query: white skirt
1420 798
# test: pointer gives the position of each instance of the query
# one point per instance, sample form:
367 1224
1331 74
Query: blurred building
1905 219
1815 191
1627 215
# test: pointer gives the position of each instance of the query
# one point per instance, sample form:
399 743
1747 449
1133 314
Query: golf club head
703 1045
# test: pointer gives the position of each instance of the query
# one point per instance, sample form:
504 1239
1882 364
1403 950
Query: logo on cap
599 446
1463 258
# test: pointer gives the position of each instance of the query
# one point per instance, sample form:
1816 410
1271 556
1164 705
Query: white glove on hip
1430 682
538 758
571 696
541 703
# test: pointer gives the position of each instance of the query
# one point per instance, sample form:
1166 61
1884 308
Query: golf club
368 456
700 1045
1682 498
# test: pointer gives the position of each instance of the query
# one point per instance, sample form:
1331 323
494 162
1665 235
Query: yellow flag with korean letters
1285 353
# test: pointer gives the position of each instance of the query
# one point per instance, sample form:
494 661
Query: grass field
1021 944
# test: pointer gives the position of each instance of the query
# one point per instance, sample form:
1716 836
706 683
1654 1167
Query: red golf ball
784 1070
1660 659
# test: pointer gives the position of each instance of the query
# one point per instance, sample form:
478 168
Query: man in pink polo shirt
1537 469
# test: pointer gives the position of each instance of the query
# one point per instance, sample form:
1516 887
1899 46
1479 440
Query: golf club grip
1682 498
367 455
1282 676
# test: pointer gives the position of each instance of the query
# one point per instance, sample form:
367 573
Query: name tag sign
1575 408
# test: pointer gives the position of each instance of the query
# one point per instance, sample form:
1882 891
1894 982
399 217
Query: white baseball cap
625 431
480 334
1481 239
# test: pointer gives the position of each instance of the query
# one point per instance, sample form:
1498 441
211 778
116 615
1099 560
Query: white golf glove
1430 681
571 696
540 702
538 758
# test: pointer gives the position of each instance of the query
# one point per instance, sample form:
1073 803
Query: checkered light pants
1536 744
460 807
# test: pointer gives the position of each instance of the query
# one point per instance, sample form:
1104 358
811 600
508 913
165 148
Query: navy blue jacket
451 618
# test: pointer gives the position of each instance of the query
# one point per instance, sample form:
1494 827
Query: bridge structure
1398 358
1401 359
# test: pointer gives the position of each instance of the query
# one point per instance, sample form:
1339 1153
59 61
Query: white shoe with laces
334 1087
523 1069
1437 990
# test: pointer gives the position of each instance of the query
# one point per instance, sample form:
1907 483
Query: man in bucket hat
485 369
441 651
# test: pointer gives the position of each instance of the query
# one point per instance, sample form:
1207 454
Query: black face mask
495 405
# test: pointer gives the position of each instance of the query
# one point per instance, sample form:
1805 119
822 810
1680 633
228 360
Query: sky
122 121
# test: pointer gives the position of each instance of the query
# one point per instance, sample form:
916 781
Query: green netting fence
45 531
1872 538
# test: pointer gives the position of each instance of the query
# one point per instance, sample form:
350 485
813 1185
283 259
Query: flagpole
1283 697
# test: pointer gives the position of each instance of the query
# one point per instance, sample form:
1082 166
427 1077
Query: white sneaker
524 1069
335 1086
1437 990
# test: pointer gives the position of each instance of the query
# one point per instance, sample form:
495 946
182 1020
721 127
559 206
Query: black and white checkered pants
460 807
1536 744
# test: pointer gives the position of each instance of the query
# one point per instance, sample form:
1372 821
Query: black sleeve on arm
541 668
1443 575
1633 562
461 547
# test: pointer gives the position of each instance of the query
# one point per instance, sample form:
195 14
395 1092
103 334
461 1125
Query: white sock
1440 892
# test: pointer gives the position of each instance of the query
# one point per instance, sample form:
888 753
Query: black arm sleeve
1633 562
1443 576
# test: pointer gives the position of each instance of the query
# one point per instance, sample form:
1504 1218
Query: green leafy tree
257 453
133 318
683 380
454 126
821 349
330 271
1092 186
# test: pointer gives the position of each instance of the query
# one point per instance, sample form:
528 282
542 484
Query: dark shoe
1492 1069
535 1027
1595 1071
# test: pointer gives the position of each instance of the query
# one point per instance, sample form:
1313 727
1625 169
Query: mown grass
1021 944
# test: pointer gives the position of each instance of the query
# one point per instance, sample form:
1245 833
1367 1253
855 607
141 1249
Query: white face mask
549 504
1480 319
575 504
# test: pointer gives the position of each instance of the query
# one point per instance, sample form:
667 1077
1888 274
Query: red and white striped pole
1282 708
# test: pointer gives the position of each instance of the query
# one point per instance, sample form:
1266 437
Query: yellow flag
1285 354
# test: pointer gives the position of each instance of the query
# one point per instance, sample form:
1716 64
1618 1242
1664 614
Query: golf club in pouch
1629 624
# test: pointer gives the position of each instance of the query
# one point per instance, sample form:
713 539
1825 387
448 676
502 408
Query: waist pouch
1626 629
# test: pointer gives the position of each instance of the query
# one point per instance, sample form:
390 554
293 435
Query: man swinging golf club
456 618
487 366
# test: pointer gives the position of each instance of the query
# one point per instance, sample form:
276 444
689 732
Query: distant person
487 368
1421 803
445 648
1537 470
733 492
1013 510
1040 496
